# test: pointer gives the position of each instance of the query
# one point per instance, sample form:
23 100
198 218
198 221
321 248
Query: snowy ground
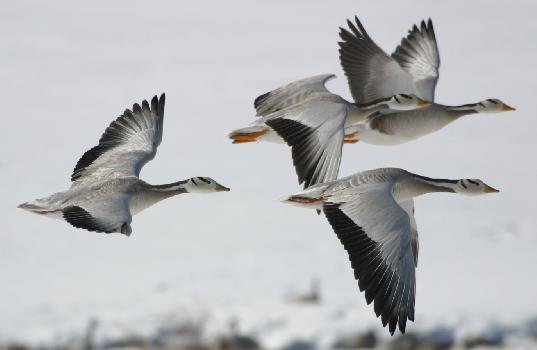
68 69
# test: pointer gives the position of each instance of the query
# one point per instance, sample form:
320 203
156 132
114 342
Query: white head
405 102
493 105
473 187
204 185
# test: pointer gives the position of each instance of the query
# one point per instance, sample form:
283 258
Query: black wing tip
157 104
296 134
80 218
136 107
390 315
87 159
259 99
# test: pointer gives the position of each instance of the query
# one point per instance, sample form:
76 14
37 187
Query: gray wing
290 94
408 206
109 214
315 133
372 74
377 234
126 145
418 54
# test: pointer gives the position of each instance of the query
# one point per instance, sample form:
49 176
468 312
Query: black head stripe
193 181
463 184
473 182
204 180
492 101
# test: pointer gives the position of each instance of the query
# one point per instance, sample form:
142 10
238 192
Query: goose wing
408 206
110 214
372 74
290 94
418 54
376 232
314 131
125 146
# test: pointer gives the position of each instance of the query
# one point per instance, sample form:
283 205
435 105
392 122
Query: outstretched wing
290 94
110 214
315 133
377 234
126 145
408 207
418 54
372 74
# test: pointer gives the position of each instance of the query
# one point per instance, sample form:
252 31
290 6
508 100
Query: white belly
271 136
371 136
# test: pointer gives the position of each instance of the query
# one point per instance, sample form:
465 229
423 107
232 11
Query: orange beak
489 189
220 188
507 108
423 103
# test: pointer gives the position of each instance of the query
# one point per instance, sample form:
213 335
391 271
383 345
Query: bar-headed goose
372 213
106 190
312 120
392 127
372 74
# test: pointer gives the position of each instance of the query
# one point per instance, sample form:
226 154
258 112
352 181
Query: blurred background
240 270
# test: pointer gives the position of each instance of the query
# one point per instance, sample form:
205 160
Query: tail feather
31 207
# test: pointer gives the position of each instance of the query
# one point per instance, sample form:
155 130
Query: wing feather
418 54
373 75
376 233
290 94
126 146
315 133
109 215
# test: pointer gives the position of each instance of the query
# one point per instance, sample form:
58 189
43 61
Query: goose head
473 187
204 185
493 105
406 102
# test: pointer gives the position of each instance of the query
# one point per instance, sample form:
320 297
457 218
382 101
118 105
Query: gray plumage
312 120
372 213
106 190
372 74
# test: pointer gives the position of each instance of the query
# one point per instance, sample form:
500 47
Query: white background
68 69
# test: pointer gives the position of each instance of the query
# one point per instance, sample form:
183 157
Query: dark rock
187 335
300 345
367 340
14 346
236 342
492 337
408 341
127 342
438 339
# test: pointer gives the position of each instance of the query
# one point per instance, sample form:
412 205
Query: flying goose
372 213
312 120
106 190
389 127
412 68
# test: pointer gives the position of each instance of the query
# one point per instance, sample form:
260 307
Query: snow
69 68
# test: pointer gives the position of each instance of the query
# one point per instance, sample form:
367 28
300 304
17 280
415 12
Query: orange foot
351 138
245 137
